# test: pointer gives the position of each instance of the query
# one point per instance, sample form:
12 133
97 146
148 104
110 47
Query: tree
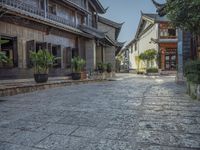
184 14
148 56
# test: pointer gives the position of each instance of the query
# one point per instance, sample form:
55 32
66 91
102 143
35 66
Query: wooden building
66 28
109 46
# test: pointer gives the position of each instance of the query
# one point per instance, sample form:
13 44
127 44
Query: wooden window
170 59
9 47
80 19
167 31
56 52
68 57
41 4
52 9
172 32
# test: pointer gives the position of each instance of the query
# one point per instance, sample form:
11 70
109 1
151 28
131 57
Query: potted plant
101 67
109 68
77 67
41 60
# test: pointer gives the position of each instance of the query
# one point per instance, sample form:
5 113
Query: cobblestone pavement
132 113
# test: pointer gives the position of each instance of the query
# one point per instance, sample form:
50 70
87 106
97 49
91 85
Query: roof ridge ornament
160 8
157 4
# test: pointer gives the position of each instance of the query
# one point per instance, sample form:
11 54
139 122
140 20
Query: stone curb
20 89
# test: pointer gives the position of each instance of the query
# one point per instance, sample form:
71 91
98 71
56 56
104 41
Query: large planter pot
41 78
76 76
109 70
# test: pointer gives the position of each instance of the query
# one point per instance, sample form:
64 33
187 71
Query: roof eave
99 7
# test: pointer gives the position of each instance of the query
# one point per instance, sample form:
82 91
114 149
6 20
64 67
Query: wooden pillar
162 58
76 18
45 8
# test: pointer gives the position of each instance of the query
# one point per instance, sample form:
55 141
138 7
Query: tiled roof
95 32
156 17
99 6
114 24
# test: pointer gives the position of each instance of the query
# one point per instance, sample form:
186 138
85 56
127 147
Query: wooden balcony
21 5
168 37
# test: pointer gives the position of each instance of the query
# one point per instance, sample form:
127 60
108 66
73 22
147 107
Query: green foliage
148 55
78 64
101 67
184 14
42 60
152 70
192 71
3 58
109 67
4 41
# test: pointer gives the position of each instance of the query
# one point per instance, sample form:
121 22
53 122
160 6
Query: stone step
17 87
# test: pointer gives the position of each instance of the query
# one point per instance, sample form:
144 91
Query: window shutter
74 52
65 57
69 57
50 48
15 52
44 46
59 55
30 46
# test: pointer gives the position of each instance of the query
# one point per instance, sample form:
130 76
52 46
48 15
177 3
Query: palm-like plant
78 64
42 60
3 58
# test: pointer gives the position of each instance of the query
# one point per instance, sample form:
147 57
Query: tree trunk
194 47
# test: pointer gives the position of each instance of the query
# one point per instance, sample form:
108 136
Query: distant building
188 46
154 32
109 46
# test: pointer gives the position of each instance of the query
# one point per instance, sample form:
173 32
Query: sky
128 11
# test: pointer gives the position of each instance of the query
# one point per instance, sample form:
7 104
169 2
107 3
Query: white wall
132 55
144 42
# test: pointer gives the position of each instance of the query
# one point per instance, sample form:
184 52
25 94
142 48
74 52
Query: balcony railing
60 20
21 5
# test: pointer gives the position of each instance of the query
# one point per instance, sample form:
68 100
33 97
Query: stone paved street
132 113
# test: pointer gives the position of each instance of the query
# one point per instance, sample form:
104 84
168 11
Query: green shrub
109 67
152 70
192 71
101 67
42 60
78 64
